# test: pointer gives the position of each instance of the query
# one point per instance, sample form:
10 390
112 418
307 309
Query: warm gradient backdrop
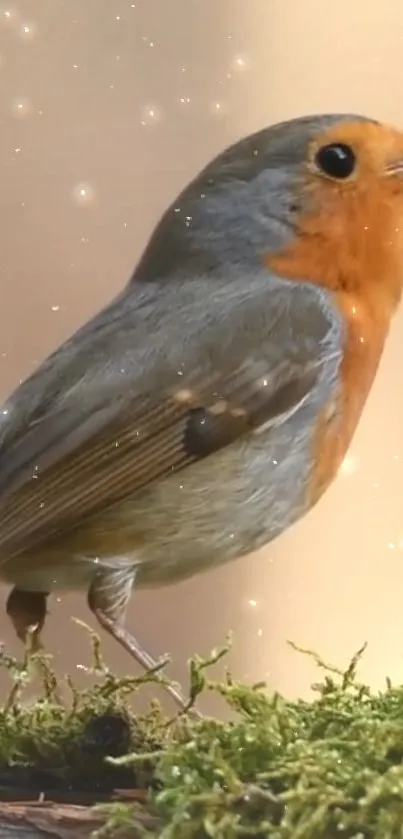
106 110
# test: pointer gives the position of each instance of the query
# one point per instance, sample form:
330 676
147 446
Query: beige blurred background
106 110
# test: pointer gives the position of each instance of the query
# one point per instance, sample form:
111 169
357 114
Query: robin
210 405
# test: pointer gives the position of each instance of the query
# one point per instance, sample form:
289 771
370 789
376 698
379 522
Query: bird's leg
108 598
27 612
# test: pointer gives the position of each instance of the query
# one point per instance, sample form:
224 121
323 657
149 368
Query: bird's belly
49 571
203 520
217 510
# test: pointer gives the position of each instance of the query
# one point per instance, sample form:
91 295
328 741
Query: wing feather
69 453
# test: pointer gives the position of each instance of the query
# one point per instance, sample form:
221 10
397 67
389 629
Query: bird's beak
395 168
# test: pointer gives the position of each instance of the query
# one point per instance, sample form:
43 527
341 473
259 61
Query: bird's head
317 199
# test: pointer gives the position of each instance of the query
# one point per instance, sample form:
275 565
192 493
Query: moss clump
60 748
285 770
328 768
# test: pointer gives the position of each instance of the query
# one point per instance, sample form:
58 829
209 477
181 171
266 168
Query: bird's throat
352 245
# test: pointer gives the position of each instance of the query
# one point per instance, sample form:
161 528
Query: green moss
61 747
328 768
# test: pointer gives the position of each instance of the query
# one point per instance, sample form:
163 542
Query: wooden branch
41 820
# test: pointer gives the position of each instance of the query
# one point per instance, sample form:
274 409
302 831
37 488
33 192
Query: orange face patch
352 239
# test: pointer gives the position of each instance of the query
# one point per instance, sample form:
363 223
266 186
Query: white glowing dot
75 66
55 308
151 114
260 632
118 17
241 62
252 603
265 382
391 545
28 30
185 100
83 193
354 310
219 109
361 340
5 412
349 465
21 107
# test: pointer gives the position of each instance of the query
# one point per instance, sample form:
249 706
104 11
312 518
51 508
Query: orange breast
362 352
367 318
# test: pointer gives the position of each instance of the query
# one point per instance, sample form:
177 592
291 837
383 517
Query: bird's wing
82 434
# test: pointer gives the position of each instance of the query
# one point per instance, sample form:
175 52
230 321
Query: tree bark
50 820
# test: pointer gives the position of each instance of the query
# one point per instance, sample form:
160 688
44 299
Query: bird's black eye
337 160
